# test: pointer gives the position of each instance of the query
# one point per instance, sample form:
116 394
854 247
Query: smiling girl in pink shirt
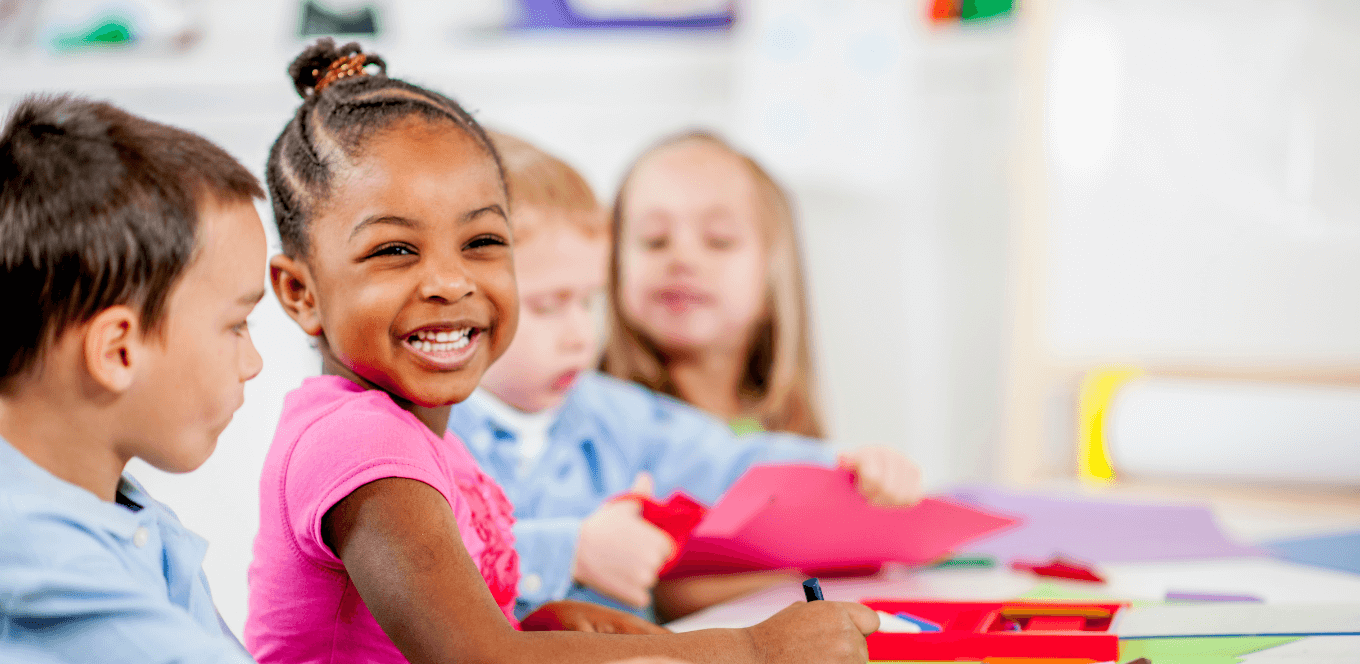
380 539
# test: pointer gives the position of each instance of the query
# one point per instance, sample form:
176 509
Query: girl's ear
292 283
113 348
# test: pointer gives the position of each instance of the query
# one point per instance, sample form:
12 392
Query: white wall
1205 167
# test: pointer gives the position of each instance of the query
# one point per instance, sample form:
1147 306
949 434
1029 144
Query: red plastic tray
975 630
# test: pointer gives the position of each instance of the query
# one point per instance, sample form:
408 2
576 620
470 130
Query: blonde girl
706 287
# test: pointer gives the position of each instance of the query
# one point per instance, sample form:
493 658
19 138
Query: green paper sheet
1198 650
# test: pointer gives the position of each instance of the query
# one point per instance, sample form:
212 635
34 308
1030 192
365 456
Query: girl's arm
400 545
677 598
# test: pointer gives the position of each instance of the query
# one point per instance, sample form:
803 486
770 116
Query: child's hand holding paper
883 475
619 553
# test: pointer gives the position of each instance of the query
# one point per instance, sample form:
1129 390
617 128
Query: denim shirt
84 580
606 432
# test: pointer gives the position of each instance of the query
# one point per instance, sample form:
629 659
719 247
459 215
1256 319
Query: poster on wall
587 14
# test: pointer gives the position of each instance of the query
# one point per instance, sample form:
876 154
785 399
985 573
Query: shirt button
531 584
140 536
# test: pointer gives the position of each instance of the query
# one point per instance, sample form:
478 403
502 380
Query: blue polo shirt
606 432
84 580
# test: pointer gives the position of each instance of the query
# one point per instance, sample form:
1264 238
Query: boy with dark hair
130 256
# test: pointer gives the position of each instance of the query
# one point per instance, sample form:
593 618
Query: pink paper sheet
813 519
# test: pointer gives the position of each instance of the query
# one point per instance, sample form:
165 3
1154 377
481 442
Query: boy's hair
98 207
779 377
343 104
538 179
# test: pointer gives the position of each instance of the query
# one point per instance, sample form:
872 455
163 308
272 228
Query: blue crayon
925 625
812 589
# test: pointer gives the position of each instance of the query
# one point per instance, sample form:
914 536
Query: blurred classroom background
1044 240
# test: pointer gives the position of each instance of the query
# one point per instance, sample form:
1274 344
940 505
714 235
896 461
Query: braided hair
346 98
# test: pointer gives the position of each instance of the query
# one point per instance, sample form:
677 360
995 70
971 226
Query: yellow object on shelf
1098 389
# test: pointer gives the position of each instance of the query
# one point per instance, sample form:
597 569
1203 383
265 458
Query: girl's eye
655 242
483 241
545 308
720 243
392 250
241 327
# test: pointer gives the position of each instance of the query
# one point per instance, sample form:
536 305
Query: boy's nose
251 362
578 331
580 328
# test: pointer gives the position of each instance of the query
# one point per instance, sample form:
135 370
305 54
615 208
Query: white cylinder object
1236 430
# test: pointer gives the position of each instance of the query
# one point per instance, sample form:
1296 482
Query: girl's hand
824 632
619 554
883 475
569 615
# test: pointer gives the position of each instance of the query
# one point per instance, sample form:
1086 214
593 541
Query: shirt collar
507 418
24 481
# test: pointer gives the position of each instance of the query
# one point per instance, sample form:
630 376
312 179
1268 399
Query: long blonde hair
779 380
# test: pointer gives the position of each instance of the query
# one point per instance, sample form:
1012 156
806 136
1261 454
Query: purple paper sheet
1100 531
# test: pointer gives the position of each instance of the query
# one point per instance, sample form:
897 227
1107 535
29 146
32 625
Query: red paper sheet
813 519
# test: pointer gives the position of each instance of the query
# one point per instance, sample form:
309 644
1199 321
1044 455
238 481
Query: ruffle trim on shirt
492 518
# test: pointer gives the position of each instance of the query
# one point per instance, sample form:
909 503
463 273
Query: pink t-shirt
333 437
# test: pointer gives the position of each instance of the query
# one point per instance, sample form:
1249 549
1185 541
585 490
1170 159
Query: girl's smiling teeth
440 341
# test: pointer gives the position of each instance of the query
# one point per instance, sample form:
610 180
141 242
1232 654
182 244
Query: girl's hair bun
309 67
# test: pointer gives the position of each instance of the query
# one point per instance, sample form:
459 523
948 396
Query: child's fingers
903 483
872 476
659 547
894 475
643 484
884 476
910 491
865 619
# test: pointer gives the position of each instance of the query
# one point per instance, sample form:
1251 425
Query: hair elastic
344 67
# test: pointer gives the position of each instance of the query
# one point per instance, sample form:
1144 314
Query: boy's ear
113 347
292 283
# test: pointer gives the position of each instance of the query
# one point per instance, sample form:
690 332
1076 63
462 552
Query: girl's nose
682 252
446 281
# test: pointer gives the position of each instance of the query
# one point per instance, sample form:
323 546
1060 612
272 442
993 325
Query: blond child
130 256
563 439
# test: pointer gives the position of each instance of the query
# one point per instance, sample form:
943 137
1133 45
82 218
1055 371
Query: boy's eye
394 249
549 304
241 327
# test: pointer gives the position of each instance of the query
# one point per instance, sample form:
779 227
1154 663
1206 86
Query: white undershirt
530 429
